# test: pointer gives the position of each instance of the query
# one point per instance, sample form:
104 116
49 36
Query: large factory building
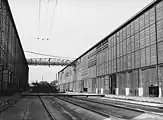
129 61
13 64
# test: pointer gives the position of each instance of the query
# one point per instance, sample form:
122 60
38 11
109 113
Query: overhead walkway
48 61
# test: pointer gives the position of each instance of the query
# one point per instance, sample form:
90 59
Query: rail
74 100
64 95
50 113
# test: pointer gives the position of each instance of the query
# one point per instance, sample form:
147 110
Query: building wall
129 60
92 62
13 65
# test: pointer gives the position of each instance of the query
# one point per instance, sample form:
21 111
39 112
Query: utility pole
42 78
56 77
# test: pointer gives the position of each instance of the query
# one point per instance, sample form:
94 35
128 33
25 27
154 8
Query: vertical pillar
157 78
117 91
117 84
102 81
127 84
102 91
96 89
160 77
140 89
160 91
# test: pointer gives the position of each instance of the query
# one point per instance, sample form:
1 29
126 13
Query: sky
72 27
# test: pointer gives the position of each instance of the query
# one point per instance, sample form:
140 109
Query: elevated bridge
48 61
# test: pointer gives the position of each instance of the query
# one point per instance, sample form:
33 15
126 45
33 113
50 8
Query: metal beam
48 61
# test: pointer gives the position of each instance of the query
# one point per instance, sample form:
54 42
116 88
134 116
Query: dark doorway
112 82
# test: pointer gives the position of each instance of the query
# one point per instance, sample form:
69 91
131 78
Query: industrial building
129 61
13 64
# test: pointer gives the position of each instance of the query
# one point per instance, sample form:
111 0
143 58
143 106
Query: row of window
131 47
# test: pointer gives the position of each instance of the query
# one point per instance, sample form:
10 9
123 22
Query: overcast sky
76 26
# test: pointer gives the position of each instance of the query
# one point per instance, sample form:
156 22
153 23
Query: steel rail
128 103
52 117
92 110
71 101
120 106
136 104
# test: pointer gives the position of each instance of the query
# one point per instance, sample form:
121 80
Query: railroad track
108 109
50 113
90 109
141 107
76 102
121 106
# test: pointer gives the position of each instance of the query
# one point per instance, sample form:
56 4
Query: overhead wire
39 5
46 13
40 17
51 23
47 55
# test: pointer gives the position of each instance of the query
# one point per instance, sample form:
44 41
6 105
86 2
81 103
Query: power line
51 19
39 5
50 27
40 25
47 55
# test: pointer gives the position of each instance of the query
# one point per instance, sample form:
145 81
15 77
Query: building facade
129 61
13 64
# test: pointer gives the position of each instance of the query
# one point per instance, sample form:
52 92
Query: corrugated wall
129 60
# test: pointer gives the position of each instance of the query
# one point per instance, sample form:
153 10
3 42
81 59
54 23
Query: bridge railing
48 61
